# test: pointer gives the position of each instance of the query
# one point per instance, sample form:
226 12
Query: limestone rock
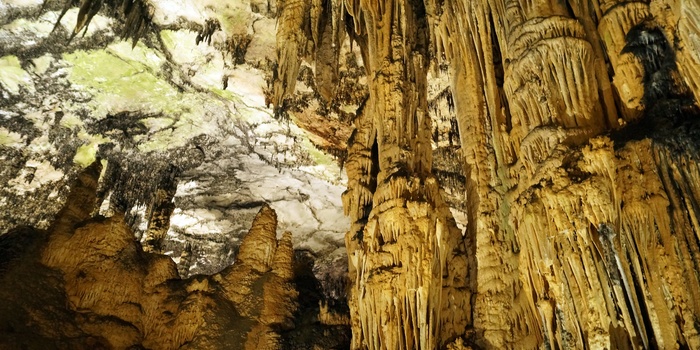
578 126
93 286
258 250
520 174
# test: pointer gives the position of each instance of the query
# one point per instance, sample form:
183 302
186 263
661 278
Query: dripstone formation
520 175
578 124
86 284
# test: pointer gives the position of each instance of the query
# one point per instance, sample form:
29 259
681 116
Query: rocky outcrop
88 284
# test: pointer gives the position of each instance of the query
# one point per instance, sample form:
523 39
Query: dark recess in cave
671 118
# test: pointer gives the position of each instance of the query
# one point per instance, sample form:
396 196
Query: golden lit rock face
119 297
557 262
687 15
579 130
404 246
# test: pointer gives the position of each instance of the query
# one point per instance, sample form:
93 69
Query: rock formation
85 283
520 174
578 127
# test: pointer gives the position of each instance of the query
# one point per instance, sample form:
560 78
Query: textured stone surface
520 174
191 151
578 140
90 285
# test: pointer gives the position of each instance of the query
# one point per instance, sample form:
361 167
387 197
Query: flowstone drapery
520 174
578 131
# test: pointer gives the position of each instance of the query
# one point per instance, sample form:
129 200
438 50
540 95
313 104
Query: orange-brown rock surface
86 283
578 125
567 143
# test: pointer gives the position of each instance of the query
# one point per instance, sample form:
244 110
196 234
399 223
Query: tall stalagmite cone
81 201
258 246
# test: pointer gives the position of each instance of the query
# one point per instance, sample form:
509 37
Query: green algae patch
121 79
12 76
87 153
226 95
119 84
140 53
10 139
316 155
180 40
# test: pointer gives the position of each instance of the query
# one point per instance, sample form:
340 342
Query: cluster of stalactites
403 246
312 30
136 15
533 83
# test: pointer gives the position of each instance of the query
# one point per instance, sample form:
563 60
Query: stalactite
308 29
617 19
689 54
136 15
561 220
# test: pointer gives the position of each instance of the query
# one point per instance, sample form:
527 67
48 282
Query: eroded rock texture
521 174
86 283
191 151
578 133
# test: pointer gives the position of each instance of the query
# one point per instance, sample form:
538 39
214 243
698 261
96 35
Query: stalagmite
258 250
124 297
160 212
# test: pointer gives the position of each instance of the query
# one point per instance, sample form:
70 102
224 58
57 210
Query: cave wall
85 283
578 191
191 151
578 132
575 128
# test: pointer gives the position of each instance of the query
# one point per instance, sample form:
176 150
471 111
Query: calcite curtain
578 122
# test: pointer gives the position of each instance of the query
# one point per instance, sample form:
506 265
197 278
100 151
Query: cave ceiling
177 106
